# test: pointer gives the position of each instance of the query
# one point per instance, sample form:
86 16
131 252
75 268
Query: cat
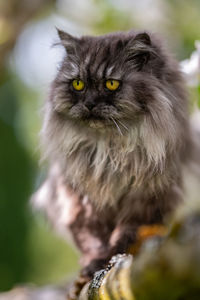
117 135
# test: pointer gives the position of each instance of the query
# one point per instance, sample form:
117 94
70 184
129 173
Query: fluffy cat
116 133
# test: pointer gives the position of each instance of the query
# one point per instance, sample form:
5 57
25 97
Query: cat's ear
139 50
142 40
70 42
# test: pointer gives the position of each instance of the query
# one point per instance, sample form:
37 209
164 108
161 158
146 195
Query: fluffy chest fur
107 166
102 169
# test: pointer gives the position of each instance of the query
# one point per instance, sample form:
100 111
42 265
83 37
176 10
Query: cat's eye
78 84
112 84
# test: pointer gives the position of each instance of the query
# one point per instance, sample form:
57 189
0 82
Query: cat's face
107 81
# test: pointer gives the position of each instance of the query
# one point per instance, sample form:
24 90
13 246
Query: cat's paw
94 266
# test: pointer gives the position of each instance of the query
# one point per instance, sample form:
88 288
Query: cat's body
116 155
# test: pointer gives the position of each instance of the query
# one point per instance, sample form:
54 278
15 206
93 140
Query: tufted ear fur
139 50
70 42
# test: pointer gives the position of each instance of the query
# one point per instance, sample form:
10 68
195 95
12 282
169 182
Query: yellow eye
112 84
78 84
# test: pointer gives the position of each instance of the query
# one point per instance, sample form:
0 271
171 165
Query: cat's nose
90 105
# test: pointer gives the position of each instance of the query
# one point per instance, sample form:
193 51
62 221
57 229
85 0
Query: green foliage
184 25
198 91
51 258
15 186
111 18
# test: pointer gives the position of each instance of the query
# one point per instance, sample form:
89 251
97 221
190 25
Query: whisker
123 125
117 126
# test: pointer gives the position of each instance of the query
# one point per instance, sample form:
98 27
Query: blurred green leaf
198 89
51 258
111 18
15 186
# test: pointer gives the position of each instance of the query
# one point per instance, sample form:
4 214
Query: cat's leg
91 232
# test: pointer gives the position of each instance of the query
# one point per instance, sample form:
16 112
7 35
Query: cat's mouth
95 121
97 118
94 117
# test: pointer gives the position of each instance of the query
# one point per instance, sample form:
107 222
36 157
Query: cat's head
107 81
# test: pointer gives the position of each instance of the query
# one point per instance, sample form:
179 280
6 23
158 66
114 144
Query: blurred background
30 252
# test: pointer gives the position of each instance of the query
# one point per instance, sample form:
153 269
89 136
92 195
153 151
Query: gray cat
116 133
